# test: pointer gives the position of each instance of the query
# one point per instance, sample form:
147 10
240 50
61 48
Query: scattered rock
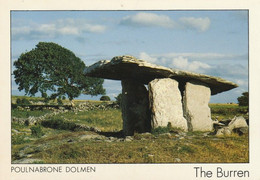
15 131
91 136
167 135
146 134
237 122
112 138
177 160
70 140
224 131
206 134
182 133
108 140
26 161
128 138
241 131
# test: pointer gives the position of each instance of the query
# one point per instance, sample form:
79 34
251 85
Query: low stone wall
87 106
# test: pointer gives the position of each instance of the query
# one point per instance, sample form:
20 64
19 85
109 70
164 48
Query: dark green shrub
59 124
119 99
22 101
167 129
19 139
105 98
36 131
160 130
18 101
59 101
69 152
244 99
186 149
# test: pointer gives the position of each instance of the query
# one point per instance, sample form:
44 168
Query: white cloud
59 27
148 19
198 66
206 63
204 56
180 62
242 82
146 57
143 19
184 64
199 24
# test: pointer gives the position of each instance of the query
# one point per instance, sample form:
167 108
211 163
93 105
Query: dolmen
174 97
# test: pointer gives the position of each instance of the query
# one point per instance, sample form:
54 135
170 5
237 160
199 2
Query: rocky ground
91 144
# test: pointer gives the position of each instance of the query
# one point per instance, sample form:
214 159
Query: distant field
62 143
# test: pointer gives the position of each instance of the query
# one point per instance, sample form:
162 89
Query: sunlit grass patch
106 120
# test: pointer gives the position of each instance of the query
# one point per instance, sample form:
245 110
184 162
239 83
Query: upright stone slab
165 103
135 108
196 110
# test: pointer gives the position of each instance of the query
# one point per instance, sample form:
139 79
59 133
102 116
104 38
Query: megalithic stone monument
177 97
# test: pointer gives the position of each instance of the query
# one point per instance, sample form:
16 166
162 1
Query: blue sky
209 42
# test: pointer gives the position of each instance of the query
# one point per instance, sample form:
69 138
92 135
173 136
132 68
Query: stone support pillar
166 104
135 108
195 104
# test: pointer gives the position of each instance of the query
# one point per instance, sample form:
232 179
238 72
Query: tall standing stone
165 103
196 110
135 107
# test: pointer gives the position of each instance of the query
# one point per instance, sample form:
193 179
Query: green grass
105 120
25 114
62 145
149 151
227 111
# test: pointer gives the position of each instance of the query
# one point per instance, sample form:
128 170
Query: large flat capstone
128 67
166 104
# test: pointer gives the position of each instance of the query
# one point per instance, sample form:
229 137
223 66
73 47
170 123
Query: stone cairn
177 97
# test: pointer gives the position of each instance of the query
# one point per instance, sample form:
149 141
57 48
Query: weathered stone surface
165 103
26 161
237 122
196 109
225 131
241 131
135 108
128 67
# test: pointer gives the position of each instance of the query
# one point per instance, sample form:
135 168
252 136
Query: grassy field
43 144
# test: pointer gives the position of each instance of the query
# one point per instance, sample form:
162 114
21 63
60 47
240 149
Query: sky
208 42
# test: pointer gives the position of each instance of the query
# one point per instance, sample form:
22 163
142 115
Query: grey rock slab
26 161
237 122
128 138
196 110
177 160
225 131
91 136
241 130
128 67
166 103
